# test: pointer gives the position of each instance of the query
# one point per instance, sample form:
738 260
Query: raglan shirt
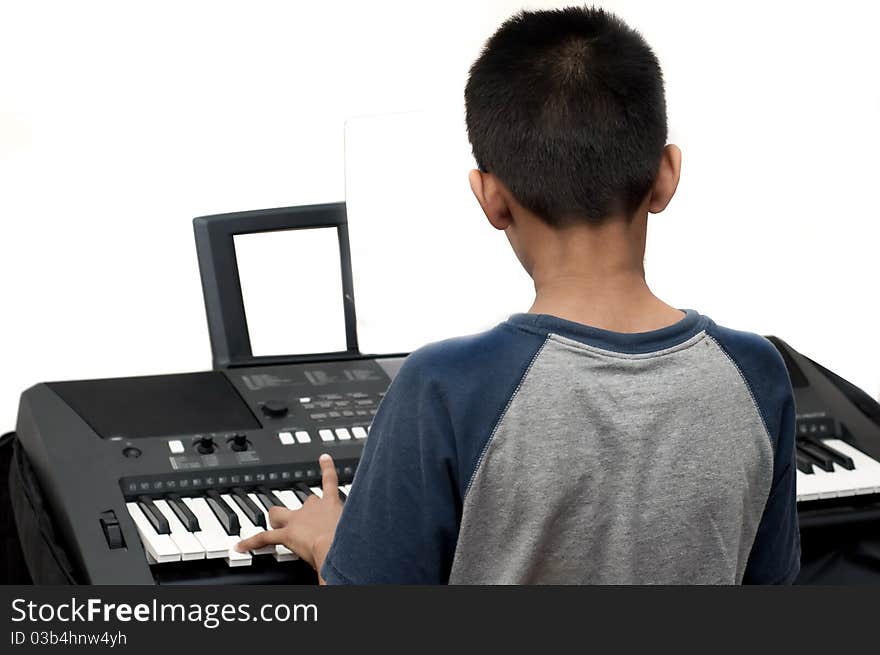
546 451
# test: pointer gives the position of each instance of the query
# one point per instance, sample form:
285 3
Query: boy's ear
488 192
667 179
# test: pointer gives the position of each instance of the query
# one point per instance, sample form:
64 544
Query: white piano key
282 553
806 488
317 491
186 542
160 546
289 498
830 481
213 536
248 529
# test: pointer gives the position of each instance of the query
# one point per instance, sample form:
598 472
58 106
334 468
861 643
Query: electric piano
154 479
837 474
838 437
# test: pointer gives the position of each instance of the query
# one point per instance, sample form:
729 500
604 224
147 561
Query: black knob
274 408
205 445
238 442
131 451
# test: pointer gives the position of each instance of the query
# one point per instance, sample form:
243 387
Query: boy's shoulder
449 395
458 363
755 356
763 371
747 346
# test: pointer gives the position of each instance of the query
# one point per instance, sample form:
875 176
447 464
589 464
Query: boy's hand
308 531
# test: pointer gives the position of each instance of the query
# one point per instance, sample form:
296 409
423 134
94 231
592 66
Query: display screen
291 285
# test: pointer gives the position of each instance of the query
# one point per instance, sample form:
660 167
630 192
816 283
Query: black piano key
154 516
839 458
821 457
302 491
228 519
804 463
342 495
183 512
268 498
255 514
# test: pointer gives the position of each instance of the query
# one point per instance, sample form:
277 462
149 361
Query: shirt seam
793 570
748 386
498 420
574 344
537 328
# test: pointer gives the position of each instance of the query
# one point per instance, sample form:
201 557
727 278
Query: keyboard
838 444
831 468
176 528
155 479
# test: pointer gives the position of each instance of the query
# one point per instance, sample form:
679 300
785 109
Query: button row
288 438
326 434
184 484
320 416
338 396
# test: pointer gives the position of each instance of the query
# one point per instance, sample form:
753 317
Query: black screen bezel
221 284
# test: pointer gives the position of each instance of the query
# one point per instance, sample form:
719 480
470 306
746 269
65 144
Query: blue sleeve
400 523
775 554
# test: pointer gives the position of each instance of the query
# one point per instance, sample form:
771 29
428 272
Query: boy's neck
595 276
620 303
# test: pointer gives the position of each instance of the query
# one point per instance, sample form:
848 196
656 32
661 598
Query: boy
604 436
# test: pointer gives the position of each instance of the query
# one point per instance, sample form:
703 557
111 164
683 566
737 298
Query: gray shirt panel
612 468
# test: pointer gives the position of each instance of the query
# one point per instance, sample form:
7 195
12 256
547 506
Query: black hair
566 107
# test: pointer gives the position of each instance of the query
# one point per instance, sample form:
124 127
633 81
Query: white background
288 279
121 121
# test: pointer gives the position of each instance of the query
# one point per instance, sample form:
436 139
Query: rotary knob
238 442
274 408
205 445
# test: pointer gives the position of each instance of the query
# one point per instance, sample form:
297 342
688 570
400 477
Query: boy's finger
264 538
329 481
279 516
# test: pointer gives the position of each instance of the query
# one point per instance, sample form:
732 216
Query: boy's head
566 109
